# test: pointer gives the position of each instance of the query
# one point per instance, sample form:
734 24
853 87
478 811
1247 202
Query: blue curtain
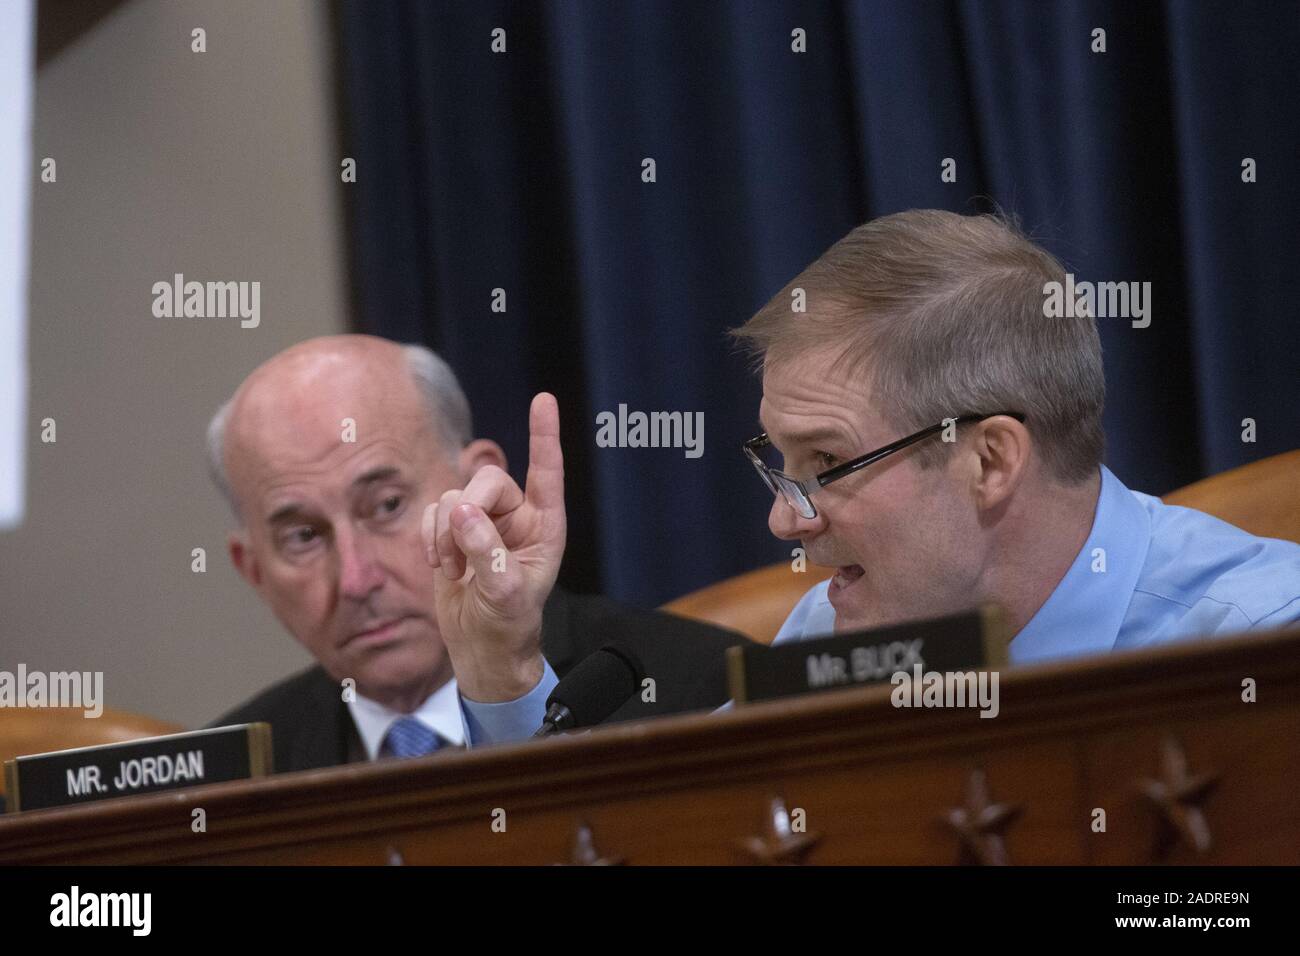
522 171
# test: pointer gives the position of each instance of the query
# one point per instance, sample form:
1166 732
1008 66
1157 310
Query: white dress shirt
440 712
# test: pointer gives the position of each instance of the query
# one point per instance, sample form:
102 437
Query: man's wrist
500 682
509 721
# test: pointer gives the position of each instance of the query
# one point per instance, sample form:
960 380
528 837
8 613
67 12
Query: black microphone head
598 686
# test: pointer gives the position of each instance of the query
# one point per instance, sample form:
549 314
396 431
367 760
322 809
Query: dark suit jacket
312 727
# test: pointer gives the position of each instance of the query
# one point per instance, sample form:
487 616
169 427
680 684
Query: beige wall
221 166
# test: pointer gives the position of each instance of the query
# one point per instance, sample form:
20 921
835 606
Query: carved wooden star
779 844
583 852
1177 796
980 823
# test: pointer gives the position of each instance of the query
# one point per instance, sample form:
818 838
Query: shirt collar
1084 614
440 713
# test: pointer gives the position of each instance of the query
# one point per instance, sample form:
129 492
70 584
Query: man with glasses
798 495
933 321
927 325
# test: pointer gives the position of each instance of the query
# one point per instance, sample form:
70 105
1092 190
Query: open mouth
846 576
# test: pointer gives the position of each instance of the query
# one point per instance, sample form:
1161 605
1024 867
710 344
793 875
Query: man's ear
478 454
243 558
1003 445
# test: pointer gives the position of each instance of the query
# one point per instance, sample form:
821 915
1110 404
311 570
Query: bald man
333 455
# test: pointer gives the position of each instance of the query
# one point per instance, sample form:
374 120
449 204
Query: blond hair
943 315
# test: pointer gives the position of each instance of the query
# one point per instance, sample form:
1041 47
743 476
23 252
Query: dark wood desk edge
836 727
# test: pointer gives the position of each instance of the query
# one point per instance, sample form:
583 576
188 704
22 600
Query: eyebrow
373 476
810 436
381 473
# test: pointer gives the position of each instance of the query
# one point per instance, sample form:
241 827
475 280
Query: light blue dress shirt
1171 574
512 719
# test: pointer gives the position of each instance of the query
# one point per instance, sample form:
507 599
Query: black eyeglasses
798 495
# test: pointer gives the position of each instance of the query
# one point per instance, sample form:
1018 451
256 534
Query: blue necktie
410 738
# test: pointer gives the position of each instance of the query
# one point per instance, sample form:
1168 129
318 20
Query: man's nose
360 572
788 524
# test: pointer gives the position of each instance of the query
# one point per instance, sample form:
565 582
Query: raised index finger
544 486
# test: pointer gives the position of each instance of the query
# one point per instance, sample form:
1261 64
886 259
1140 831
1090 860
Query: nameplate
971 641
67 777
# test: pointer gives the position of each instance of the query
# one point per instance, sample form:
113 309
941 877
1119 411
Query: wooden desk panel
877 783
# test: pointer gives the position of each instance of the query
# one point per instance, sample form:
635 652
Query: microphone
593 690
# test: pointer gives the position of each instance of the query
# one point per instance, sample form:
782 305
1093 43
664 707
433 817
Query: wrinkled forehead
307 425
811 395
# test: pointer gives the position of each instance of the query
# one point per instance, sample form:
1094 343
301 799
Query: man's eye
827 460
300 536
389 506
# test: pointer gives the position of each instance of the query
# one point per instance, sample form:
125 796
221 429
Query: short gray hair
444 399
943 314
